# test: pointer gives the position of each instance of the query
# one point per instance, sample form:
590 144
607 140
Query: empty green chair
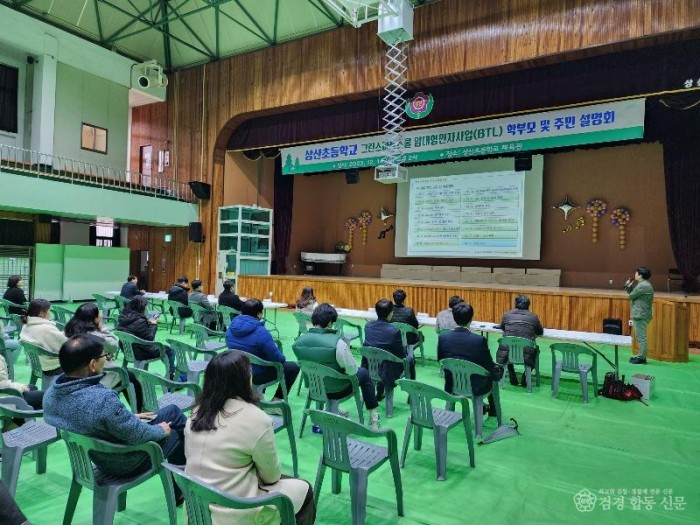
279 374
124 384
283 421
570 362
207 339
172 392
61 314
33 353
158 305
33 436
304 322
440 421
105 304
408 329
9 361
186 361
127 344
227 315
375 357
198 312
344 327
516 348
356 458
122 302
316 376
462 372
200 496
109 492
175 311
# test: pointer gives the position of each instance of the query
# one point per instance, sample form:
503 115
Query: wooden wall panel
452 42
563 308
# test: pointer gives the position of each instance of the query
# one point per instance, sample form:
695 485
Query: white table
587 338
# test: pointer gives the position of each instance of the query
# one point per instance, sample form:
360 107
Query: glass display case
245 242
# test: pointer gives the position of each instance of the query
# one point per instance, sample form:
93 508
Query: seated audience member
230 443
307 301
445 320
520 322
130 288
248 333
133 320
178 292
460 343
15 294
41 331
10 513
322 344
78 403
12 345
229 298
30 393
382 334
88 320
211 317
404 314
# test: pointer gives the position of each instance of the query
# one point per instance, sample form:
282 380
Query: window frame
82 147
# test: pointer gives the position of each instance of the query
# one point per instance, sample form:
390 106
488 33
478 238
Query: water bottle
316 429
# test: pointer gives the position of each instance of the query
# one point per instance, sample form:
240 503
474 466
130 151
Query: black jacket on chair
134 323
381 334
460 343
179 293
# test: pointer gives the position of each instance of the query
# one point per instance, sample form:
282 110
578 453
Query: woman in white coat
230 443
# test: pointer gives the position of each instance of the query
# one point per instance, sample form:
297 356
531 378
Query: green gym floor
629 463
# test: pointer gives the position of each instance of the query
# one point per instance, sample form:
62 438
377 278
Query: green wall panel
92 269
48 272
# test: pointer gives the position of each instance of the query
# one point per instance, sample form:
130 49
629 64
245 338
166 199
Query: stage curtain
627 73
676 129
282 217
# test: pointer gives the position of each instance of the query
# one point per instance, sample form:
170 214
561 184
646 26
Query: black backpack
615 388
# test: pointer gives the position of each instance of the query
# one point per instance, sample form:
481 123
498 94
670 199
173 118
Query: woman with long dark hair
15 294
230 443
307 301
88 320
40 330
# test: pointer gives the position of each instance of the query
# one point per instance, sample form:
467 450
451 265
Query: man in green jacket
642 297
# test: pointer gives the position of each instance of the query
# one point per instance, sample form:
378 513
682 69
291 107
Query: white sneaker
374 422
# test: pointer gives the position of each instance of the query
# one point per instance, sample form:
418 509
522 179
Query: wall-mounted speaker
201 190
523 161
352 176
196 232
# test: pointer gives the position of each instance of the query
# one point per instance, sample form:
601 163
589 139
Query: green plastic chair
343 325
198 312
152 403
516 347
61 314
158 305
33 436
227 315
9 304
206 339
7 356
109 492
356 458
105 304
8 327
175 311
279 372
127 341
283 422
186 361
408 329
33 352
442 331
121 302
124 384
462 372
17 321
375 357
570 362
304 321
199 496
440 421
316 374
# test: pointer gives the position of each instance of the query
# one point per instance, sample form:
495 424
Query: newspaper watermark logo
635 499
585 500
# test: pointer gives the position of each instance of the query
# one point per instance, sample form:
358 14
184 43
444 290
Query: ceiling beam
181 19
323 8
99 22
166 36
133 21
261 37
20 3
274 30
266 37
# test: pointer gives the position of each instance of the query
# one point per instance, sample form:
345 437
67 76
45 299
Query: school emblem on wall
420 105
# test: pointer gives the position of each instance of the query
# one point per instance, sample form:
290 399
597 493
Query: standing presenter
641 297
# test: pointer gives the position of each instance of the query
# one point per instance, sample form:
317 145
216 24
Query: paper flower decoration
365 220
351 226
566 206
596 208
619 218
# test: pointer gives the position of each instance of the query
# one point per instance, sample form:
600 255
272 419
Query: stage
577 309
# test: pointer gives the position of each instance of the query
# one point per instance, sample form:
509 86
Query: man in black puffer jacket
520 322
404 314
178 292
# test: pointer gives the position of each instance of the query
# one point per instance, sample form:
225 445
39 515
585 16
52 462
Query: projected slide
467 215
